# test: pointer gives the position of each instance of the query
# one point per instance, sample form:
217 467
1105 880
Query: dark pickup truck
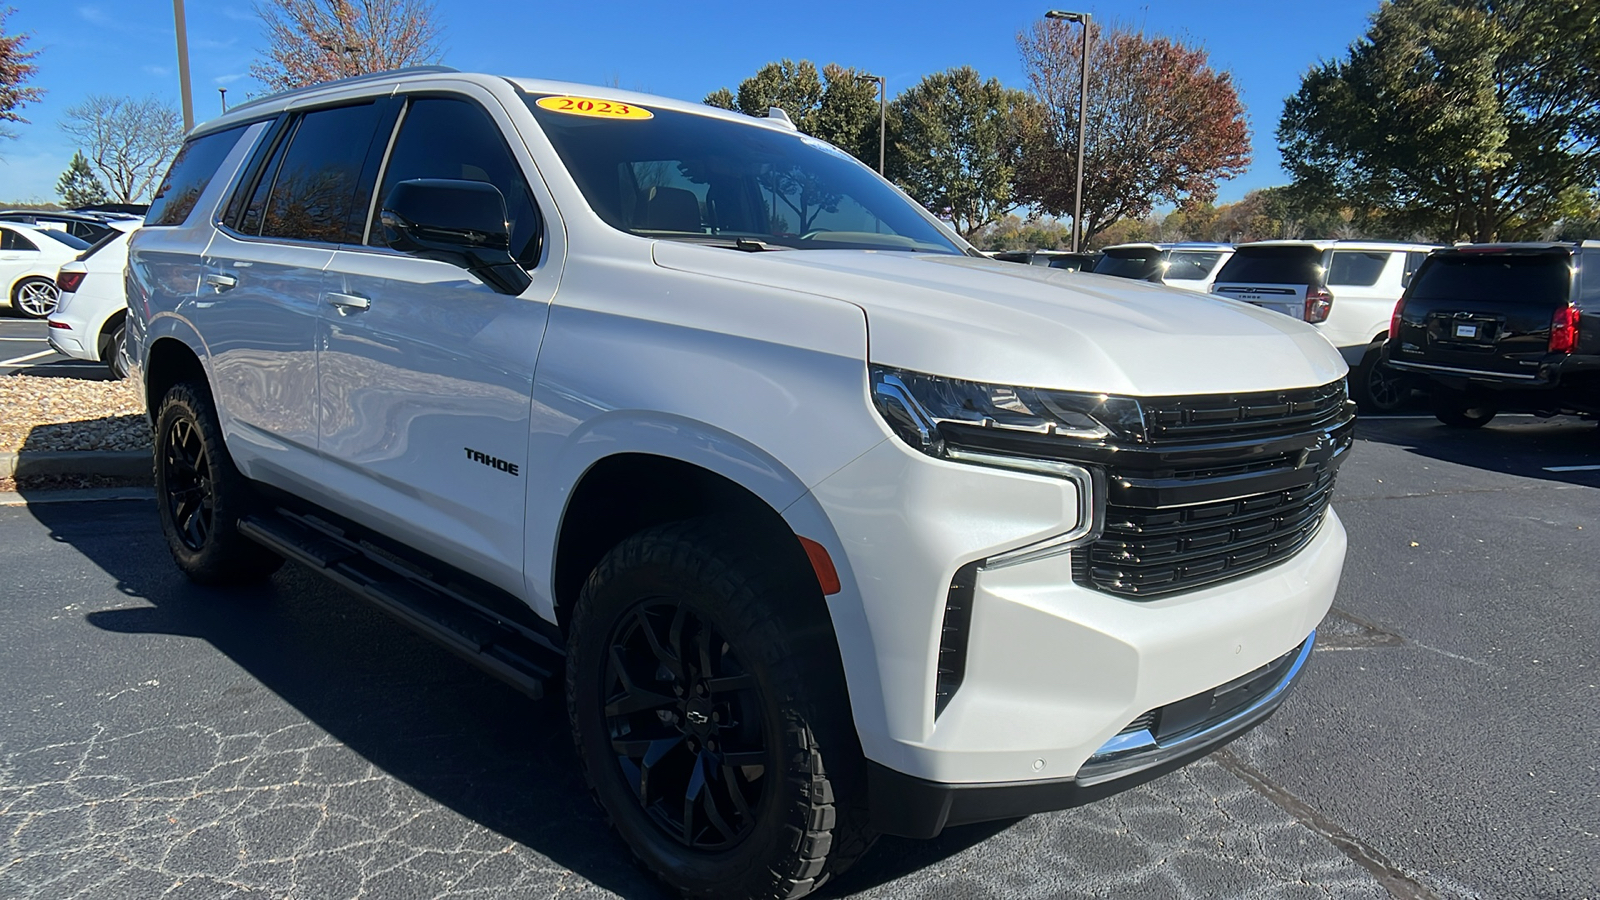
1503 327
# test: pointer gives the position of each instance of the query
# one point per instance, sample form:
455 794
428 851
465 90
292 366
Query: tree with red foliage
311 41
16 67
1164 127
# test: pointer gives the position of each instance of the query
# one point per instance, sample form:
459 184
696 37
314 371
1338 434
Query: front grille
1145 552
1231 417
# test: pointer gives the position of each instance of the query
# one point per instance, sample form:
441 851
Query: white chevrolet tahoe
829 526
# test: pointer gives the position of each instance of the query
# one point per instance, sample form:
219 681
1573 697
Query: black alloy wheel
201 495
190 495
1377 387
685 722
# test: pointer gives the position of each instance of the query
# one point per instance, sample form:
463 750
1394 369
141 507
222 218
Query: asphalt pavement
159 739
25 348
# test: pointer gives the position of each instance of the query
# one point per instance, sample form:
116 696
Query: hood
1003 323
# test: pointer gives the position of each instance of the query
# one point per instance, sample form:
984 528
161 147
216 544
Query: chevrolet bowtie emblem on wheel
696 717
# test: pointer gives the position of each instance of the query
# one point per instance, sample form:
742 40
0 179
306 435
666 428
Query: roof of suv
1179 245
1344 244
272 104
1515 246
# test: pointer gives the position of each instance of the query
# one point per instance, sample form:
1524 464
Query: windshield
73 241
689 177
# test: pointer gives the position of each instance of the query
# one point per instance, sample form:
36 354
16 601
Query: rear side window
191 171
1189 266
62 237
442 137
1414 260
1543 278
1140 263
317 181
1357 268
1273 265
10 240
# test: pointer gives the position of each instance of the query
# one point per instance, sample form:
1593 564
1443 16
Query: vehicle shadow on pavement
412 710
1518 446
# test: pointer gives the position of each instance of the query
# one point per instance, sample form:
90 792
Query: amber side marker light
822 564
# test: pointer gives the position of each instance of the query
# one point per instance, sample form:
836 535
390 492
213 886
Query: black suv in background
1503 327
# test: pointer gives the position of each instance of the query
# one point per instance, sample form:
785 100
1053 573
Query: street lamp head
1067 16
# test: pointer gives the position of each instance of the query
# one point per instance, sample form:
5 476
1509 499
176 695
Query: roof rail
354 79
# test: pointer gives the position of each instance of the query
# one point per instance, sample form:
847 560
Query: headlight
916 405
921 408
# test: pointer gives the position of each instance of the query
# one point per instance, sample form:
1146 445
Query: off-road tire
807 825
201 500
1459 410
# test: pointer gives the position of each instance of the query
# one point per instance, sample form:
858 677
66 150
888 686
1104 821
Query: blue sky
677 49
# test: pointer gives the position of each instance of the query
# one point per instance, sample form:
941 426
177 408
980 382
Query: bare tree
16 68
128 141
310 41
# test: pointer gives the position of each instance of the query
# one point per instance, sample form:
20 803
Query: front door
426 374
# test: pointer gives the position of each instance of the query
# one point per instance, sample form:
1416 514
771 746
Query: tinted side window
1137 263
1188 266
10 240
1357 268
191 171
1414 260
447 138
318 181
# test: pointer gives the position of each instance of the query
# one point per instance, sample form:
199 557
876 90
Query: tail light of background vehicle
1564 330
68 282
1318 303
1394 320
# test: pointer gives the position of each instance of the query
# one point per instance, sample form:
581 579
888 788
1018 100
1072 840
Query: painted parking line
1572 468
18 361
29 340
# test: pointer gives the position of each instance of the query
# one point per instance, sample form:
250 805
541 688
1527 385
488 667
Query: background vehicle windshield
1503 278
1273 265
690 177
1136 262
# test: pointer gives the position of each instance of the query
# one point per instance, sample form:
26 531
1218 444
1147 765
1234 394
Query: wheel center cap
698 715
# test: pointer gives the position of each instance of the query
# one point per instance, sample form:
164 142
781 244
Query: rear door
427 373
261 281
1273 277
1484 311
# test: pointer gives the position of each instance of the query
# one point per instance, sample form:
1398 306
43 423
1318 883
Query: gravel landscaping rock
55 413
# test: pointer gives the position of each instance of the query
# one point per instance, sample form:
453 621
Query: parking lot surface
165 740
25 348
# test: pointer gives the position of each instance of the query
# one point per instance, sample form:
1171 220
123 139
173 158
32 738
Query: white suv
833 526
1348 289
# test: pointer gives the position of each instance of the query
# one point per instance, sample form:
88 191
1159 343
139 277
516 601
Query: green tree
79 186
1163 126
16 68
957 143
1471 119
836 105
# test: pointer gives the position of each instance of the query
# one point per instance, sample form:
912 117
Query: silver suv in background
1190 266
1347 289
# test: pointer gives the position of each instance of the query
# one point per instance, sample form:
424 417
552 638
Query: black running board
508 650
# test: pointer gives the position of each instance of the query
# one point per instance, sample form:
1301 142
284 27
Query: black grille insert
1226 417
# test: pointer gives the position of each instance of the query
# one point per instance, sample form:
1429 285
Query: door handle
220 281
347 302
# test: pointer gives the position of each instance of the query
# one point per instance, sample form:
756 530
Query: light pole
224 92
1083 120
182 26
883 113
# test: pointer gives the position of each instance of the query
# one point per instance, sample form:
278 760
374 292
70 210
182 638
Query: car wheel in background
200 495
115 352
707 724
1459 409
1376 387
35 296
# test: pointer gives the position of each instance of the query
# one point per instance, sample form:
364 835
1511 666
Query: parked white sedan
29 259
87 322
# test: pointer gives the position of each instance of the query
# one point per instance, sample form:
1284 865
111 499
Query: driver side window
444 137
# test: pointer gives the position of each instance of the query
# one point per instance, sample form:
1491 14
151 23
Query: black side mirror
459 222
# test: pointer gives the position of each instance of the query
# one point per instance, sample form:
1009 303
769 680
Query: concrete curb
87 495
106 463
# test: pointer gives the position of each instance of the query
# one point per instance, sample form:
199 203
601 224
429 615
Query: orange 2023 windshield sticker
595 108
